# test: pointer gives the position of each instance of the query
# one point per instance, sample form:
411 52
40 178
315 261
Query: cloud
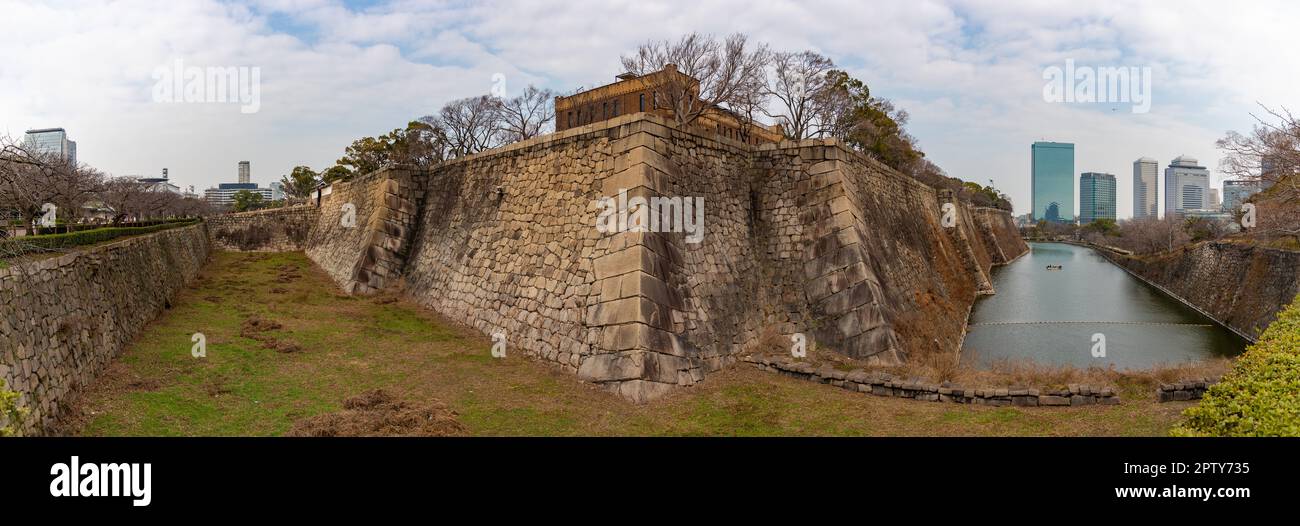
968 72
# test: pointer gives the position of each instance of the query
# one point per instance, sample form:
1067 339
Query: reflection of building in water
645 93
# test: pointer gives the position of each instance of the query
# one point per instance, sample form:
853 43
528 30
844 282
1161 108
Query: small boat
1055 267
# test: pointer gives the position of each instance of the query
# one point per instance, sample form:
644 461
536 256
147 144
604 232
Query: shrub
31 244
11 416
1261 395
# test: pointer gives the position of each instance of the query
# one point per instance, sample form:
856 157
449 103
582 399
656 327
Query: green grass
353 344
1260 396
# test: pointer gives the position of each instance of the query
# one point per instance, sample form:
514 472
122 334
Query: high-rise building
277 191
1187 186
224 193
1236 192
1052 181
1145 194
1214 200
244 172
1096 197
53 141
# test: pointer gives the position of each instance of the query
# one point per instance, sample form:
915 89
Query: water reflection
1142 326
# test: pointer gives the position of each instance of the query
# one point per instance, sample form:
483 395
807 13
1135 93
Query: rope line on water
1154 323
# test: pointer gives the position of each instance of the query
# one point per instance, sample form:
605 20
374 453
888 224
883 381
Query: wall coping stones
884 384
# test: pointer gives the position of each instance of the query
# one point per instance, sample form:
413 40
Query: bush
1261 395
32 244
11 416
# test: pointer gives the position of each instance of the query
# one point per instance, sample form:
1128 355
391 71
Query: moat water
1053 316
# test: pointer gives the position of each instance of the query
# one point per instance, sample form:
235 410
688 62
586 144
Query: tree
29 179
709 74
422 143
300 183
245 200
801 85
470 125
525 116
1269 156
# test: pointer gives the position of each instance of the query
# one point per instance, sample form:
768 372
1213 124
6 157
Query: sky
970 74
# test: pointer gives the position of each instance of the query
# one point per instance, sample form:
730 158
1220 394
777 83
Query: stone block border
882 384
1184 390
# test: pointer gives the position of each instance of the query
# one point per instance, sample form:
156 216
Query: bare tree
526 115
29 179
1270 157
799 83
471 125
709 74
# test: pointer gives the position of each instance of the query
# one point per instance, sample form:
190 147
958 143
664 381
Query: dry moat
329 347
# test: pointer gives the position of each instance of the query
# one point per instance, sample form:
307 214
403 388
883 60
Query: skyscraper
1145 193
1187 186
243 172
1052 181
1096 197
1236 192
1214 199
53 141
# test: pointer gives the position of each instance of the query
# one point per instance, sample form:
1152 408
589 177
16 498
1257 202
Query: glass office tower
1052 181
1096 197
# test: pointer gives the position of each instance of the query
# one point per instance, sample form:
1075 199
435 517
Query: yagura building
1052 181
649 93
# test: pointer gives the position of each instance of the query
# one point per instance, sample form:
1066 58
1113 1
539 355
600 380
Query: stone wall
365 228
803 236
1240 285
884 384
63 319
272 230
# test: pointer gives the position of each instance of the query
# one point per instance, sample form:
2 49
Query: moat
1052 316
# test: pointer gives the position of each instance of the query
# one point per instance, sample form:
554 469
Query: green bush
1261 395
32 244
11 416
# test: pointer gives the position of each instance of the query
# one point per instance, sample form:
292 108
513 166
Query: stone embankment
883 384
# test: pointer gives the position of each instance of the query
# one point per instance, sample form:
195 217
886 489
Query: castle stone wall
272 230
1241 286
62 319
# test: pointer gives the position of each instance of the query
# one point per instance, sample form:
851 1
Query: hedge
32 244
1260 396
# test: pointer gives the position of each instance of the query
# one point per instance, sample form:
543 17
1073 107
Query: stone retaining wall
63 319
882 384
272 230
804 236
1241 286
1184 390
369 251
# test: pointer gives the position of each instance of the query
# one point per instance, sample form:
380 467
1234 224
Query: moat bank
1053 316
